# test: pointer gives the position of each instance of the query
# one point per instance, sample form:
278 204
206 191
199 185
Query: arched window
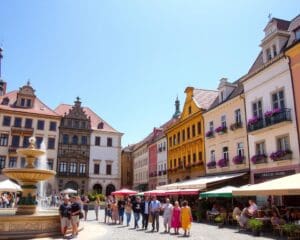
75 139
109 189
97 188
100 125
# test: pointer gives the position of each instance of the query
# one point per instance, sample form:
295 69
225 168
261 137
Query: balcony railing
259 123
22 130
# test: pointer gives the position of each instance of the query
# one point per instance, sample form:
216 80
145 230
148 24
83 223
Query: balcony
22 131
270 119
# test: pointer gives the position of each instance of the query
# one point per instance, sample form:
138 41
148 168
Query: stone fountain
28 222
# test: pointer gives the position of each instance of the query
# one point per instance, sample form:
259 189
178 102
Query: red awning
124 192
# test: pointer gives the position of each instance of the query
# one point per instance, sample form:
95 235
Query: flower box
281 155
238 159
209 134
221 129
259 158
236 125
223 162
253 120
275 111
211 164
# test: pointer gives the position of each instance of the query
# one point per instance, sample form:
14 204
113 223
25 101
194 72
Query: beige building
127 167
226 144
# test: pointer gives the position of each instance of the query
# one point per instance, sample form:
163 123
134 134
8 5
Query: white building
141 165
22 115
272 132
162 160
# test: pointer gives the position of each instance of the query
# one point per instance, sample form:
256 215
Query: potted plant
211 164
238 159
258 158
220 221
290 229
209 134
223 162
256 226
221 129
281 155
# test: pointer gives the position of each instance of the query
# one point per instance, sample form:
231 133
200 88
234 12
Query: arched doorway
109 189
97 188
72 184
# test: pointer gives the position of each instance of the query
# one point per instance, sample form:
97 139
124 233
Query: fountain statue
28 222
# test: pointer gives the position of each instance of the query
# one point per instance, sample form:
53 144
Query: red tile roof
38 108
204 98
95 119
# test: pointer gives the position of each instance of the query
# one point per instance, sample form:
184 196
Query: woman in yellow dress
186 218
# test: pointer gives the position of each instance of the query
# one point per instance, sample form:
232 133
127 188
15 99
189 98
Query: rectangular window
40 124
15 142
6 121
73 167
260 148
200 156
96 168
193 130
25 141
28 103
108 169
297 34
223 121
3 139
50 164
84 140
63 167
257 109
188 133
268 54
51 143
12 162
194 157
274 51
2 162
97 141
240 149
283 143
211 126
212 156
170 141
65 139
174 140
52 126
237 116
183 135
22 102
28 123
278 100
38 142
178 137
18 122
109 142
82 167
164 146
225 153
199 130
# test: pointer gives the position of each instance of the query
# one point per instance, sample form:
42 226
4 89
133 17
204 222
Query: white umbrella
9 186
68 191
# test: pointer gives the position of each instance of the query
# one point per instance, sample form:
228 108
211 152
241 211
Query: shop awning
9 186
288 185
192 191
224 192
199 183
155 192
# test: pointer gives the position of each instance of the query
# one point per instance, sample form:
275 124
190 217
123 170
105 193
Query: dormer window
100 125
5 101
28 103
297 34
23 102
274 51
268 54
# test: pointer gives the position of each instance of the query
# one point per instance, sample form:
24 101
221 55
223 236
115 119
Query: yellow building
186 158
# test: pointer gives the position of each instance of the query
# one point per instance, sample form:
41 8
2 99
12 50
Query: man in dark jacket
136 207
145 212
64 212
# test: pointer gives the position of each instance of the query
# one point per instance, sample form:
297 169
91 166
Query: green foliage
290 228
27 200
92 196
219 219
255 224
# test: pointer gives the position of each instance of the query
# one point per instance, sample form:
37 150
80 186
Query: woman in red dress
175 222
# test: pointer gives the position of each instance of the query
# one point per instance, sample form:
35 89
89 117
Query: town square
150 119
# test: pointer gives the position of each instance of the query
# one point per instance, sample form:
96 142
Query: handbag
80 215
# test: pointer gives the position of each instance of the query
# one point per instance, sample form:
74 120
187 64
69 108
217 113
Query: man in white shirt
155 207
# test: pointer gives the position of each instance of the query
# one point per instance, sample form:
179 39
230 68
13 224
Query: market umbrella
68 191
288 185
124 192
9 186
225 192
155 192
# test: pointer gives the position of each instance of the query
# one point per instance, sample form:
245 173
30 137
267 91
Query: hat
66 197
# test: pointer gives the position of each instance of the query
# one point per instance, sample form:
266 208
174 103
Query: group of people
7 200
148 211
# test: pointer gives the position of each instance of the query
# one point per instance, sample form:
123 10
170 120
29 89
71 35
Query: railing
282 116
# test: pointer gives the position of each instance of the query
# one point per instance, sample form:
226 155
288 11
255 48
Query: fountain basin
28 175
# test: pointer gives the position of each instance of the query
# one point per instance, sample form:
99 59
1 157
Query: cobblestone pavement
97 230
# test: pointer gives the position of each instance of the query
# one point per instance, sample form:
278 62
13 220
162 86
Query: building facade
162 160
127 167
186 139
226 142
22 115
141 165
270 108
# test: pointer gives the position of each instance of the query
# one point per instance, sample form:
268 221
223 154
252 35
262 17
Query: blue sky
129 59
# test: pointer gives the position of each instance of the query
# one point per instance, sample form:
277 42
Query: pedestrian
97 206
65 215
175 222
121 208
167 215
128 211
114 212
85 202
75 211
136 206
145 212
155 208
186 218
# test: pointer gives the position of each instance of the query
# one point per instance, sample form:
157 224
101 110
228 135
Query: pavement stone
98 230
